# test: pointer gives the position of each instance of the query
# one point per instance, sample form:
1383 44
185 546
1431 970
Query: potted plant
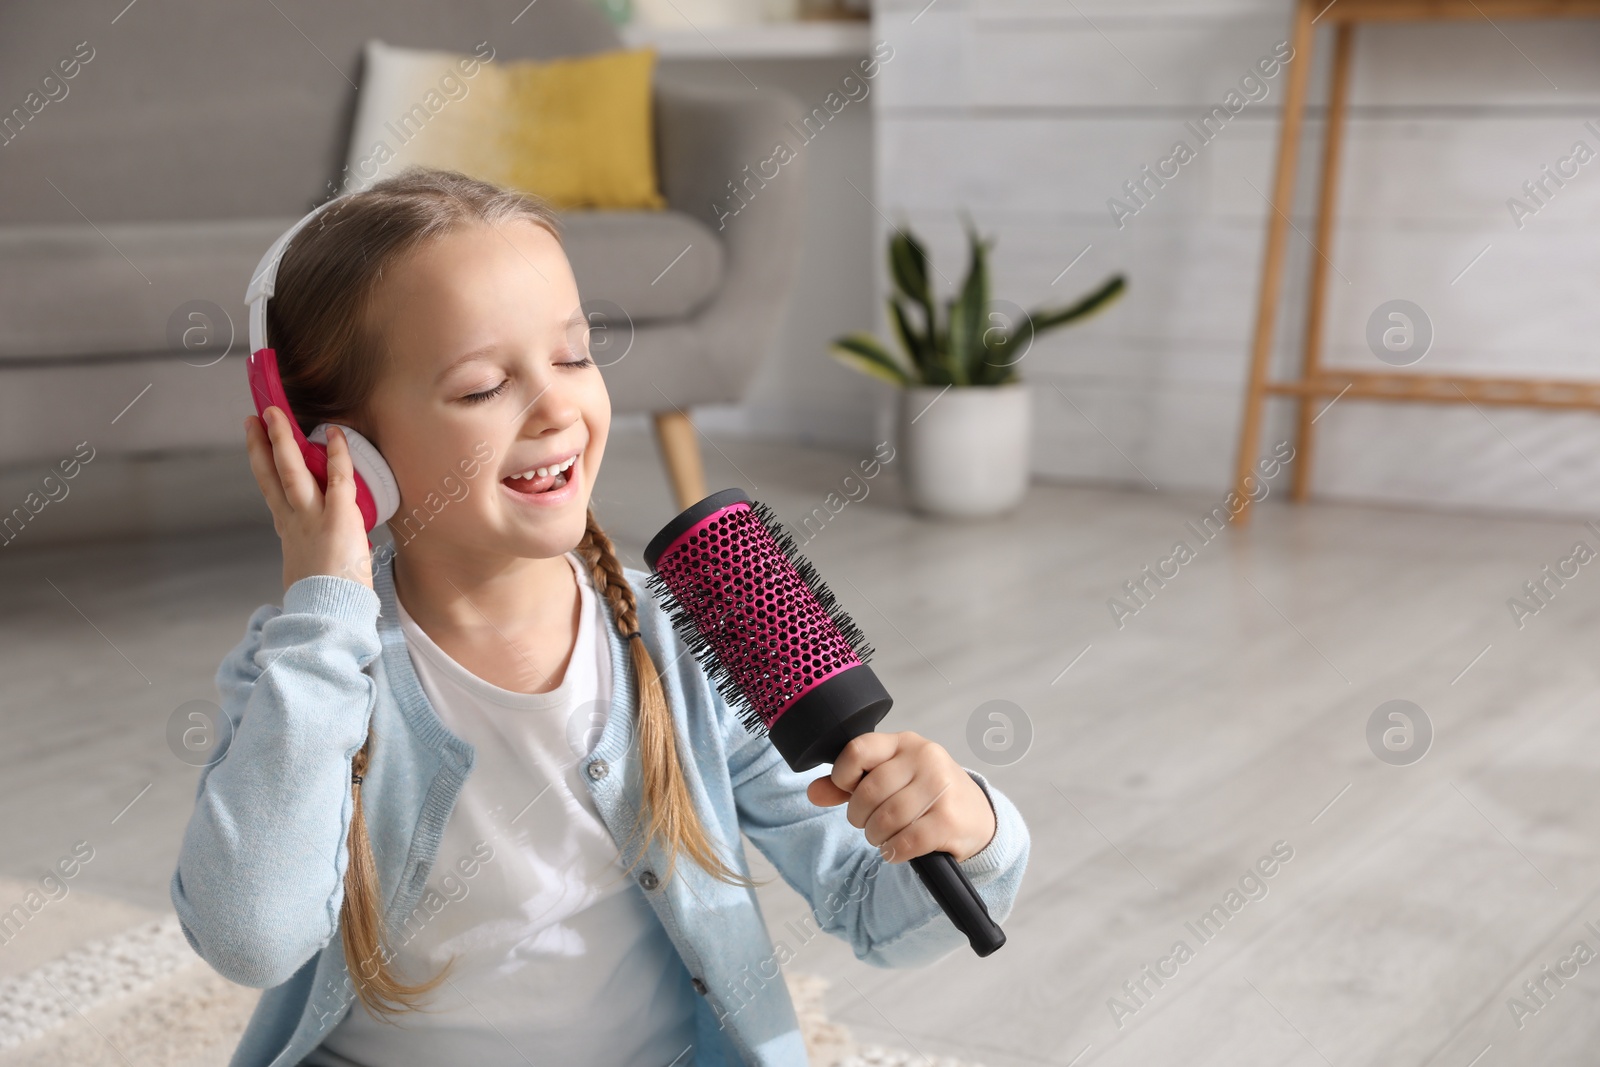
964 412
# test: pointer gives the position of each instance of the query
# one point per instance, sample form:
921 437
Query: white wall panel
1030 115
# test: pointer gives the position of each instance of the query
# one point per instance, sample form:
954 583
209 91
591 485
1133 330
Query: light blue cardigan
260 876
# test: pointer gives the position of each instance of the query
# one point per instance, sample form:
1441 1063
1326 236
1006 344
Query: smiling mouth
533 483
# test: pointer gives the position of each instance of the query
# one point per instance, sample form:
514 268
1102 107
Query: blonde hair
328 360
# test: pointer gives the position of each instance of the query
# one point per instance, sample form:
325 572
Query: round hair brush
785 655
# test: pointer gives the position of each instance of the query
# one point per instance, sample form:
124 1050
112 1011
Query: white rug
829 1045
142 998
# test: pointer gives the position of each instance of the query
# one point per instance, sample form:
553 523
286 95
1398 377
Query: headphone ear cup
370 468
374 470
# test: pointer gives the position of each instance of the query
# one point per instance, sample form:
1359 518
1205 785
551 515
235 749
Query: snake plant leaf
908 263
938 372
968 315
863 352
969 344
1102 298
918 347
959 336
1006 348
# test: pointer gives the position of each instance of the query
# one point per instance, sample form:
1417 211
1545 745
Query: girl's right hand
322 533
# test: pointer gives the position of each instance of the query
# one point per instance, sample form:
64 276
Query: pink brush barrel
766 629
780 648
743 573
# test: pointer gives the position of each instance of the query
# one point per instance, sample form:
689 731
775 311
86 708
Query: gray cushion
74 290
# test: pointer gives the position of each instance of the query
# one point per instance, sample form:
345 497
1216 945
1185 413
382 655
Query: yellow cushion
577 131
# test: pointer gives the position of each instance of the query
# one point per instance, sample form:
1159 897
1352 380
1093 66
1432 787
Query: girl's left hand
909 795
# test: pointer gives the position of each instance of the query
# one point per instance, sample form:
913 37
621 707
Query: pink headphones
376 492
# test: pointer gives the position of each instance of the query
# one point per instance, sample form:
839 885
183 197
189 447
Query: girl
476 784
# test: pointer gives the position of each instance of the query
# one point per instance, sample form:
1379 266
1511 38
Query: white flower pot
964 450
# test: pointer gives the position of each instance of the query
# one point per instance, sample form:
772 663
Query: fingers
875 791
906 809
897 783
341 468
860 756
261 465
892 797
918 839
824 794
299 486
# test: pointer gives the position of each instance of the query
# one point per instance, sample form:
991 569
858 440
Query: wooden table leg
680 452
1272 258
1327 208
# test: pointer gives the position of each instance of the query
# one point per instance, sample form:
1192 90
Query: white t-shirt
560 958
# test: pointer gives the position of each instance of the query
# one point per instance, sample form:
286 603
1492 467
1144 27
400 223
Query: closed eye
490 394
487 394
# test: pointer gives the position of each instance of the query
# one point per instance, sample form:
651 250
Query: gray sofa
190 134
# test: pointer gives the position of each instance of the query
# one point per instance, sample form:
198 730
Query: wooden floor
1168 756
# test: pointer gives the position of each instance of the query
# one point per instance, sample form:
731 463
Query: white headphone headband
265 279
372 472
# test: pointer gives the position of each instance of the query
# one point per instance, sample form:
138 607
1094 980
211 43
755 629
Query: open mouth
539 480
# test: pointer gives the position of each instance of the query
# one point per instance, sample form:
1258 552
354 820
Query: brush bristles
841 619
687 623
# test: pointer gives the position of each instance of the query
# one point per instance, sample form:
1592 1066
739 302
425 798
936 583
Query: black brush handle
816 730
949 885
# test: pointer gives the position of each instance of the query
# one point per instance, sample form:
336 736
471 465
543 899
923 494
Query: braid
609 581
366 945
667 805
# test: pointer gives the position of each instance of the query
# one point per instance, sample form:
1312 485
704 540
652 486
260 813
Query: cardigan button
649 880
699 986
598 769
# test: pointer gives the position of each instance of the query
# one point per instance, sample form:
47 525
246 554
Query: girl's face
487 378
